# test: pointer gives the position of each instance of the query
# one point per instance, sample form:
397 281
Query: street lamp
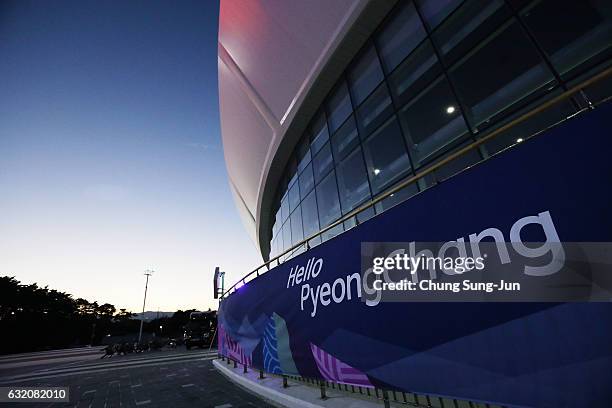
161 330
147 273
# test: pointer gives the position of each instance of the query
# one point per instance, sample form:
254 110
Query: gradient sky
110 152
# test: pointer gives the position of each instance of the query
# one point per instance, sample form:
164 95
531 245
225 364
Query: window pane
292 172
338 107
310 215
297 233
327 235
572 33
400 36
415 73
396 198
306 181
327 200
303 153
469 25
352 181
432 121
362 217
365 75
386 157
286 236
434 11
279 220
284 208
345 139
504 70
294 197
374 111
319 133
322 163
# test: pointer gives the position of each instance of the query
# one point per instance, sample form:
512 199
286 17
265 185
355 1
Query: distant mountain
152 315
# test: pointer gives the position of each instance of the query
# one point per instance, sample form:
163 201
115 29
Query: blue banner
310 316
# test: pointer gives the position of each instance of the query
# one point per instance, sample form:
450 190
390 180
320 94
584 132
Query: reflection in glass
327 200
319 133
352 181
339 107
297 233
374 111
501 72
365 75
386 156
432 121
434 11
322 163
400 36
415 73
310 216
345 139
306 181
294 197
572 34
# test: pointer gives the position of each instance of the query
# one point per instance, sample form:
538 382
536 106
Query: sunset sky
110 152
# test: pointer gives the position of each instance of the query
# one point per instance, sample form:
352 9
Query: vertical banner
315 316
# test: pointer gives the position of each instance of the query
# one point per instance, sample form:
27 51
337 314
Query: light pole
148 273
161 331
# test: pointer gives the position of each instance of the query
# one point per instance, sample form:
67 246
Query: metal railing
412 179
386 396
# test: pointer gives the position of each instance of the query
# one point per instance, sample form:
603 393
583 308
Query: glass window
294 197
345 139
297 234
396 198
352 181
573 33
362 217
279 219
400 36
434 11
328 202
310 216
327 235
386 156
338 107
374 111
432 121
365 75
303 154
415 73
284 208
505 69
276 226
322 163
319 133
286 236
292 171
306 181
468 26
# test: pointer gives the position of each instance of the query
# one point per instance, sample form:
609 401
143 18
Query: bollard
285 385
229 361
261 376
385 394
323 396
244 368
235 364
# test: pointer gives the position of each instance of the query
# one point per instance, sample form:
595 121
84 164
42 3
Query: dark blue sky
110 152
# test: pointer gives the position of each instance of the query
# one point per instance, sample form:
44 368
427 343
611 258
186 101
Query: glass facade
436 75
